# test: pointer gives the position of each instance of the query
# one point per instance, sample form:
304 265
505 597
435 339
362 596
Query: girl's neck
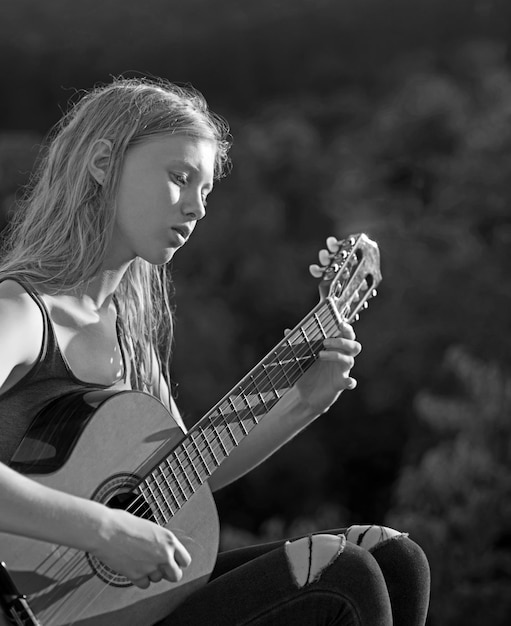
96 294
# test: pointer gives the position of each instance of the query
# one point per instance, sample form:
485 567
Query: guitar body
113 440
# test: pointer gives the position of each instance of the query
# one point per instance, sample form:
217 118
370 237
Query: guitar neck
174 481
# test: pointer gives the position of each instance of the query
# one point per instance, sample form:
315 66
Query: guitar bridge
13 603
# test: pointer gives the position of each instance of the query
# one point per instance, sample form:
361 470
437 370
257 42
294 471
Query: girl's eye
179 179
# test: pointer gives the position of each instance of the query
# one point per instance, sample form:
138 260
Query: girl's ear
100 159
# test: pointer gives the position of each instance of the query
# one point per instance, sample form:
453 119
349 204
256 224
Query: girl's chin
161 258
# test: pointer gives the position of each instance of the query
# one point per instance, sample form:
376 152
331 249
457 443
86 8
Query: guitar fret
281 365
307 341
263 401
249 406
148 499
163 497
199 477
318 321
217 435
228 426
240 421
329 323
335 313
155 500
297 360
194 443
183 471
161 500
275 390
168 489
177 482
209 446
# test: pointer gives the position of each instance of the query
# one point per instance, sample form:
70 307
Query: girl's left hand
322 383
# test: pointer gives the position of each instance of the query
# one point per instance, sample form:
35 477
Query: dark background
390 117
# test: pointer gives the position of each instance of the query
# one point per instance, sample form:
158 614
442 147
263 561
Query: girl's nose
194 207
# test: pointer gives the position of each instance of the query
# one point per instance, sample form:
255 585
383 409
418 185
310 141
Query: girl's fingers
181 554
342 345
171 571
142 583
156 577
347 331
346 360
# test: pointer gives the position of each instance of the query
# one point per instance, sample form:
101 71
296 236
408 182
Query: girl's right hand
139 549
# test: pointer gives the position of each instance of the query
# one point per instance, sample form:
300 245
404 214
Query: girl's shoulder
21 327
15 297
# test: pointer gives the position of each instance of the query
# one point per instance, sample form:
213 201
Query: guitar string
70 565
300 350
217 444
211 445
303 349
298 354
141 501
144 503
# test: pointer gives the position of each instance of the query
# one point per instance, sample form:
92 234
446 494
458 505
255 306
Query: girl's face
162 193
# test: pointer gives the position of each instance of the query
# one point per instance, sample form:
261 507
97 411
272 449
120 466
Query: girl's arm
134 547
130 545
311 396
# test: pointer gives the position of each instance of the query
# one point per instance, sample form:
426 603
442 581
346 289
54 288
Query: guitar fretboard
174 481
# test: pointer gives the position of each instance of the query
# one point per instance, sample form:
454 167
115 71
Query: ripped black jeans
360 576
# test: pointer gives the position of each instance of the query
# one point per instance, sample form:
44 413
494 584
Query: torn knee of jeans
370 536
309 556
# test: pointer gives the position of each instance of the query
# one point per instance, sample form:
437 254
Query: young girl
84 304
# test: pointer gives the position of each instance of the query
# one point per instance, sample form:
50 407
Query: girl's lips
180 234
182 231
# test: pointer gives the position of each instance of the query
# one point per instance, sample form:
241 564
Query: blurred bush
455 499
18 153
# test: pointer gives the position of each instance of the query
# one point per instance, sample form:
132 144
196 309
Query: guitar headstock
349 272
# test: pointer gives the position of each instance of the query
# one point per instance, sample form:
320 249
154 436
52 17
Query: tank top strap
50 356
48 379
49 342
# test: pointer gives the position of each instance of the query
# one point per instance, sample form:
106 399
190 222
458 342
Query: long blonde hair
60 233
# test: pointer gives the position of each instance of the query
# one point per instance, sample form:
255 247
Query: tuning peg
316 271
374 293
324 257
333 244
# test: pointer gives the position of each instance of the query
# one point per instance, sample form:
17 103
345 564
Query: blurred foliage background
390 117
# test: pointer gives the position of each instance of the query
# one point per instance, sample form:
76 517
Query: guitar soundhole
130 501
119 492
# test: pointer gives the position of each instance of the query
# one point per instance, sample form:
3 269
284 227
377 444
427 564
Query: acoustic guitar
123 448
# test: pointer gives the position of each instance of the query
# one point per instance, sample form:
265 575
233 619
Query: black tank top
49 378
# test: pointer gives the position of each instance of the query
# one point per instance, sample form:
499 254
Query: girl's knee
404 555
391 546
309 556
371 536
